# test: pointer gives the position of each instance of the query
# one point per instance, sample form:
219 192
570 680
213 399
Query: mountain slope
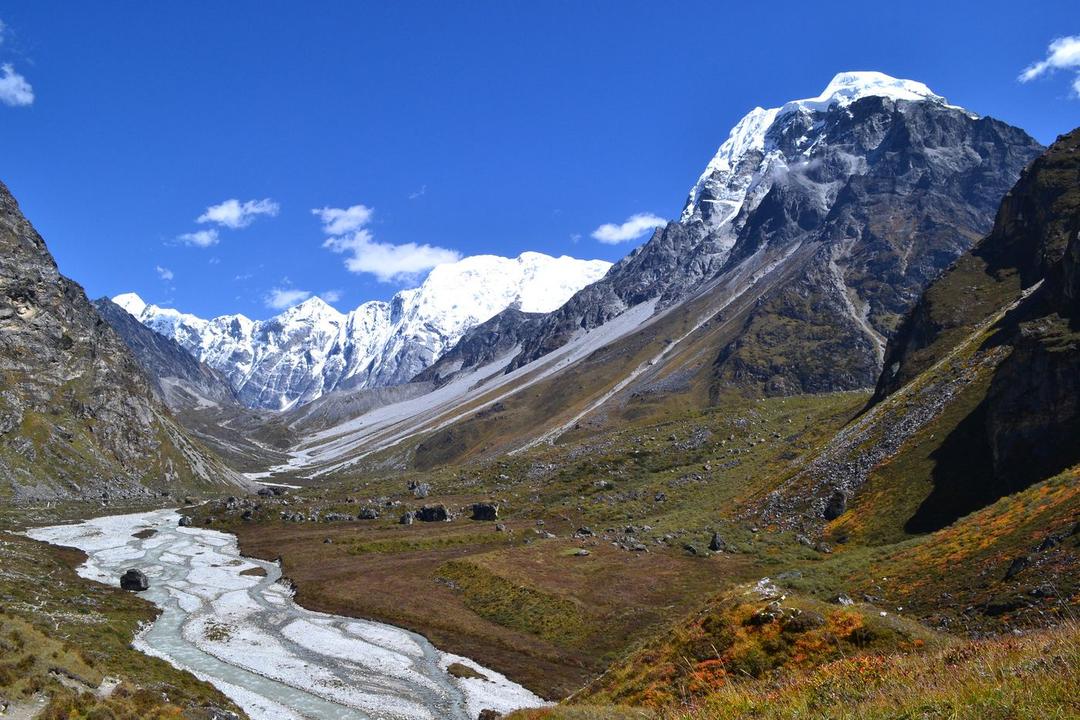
312 349
979 396
839 210
77 417
180 381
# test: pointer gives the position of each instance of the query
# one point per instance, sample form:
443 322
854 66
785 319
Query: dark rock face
178 379
836 506
433 513
485 511
134 580
482 344
1027 426
77 415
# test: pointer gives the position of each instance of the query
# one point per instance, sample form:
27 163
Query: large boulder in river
134 580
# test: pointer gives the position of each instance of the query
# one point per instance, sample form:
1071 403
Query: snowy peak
312 348
130 302
847 87
738 171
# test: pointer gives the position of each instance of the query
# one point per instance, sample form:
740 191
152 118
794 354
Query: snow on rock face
749 153
311 348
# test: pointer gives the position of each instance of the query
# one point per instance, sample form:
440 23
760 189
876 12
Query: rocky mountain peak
872 188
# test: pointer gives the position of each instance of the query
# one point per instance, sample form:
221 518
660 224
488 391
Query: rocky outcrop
78 418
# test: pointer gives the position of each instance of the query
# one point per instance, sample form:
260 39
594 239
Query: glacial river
278 661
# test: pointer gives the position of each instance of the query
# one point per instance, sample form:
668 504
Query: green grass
414 544
524 608
54 623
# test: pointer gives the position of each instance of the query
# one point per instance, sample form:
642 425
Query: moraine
278 661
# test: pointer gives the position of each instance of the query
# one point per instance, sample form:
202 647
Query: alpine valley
810 450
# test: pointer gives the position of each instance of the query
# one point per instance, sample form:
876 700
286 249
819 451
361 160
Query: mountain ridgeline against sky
810 233
858 198
311 349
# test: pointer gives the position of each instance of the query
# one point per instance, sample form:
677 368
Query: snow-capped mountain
828 215
311 349
743 168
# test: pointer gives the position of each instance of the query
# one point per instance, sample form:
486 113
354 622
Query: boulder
717 544
487 714
407 518
836 506
802 621
433 513
485 511
134 580
1018 565
184 521
368 513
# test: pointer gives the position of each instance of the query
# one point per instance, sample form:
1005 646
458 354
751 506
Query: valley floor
625 575
613 562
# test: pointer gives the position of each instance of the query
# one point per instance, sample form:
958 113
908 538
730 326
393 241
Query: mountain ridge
78 417
311 348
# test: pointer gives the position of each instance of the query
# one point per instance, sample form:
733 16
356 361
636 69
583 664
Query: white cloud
281 298
164 273
338 221
14 89
419 193
235 214
387 262
331 296
200 238
1063 54
634 227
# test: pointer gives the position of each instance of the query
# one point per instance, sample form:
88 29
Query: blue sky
448 128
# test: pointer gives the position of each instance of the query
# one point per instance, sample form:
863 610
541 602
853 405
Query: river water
275 659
